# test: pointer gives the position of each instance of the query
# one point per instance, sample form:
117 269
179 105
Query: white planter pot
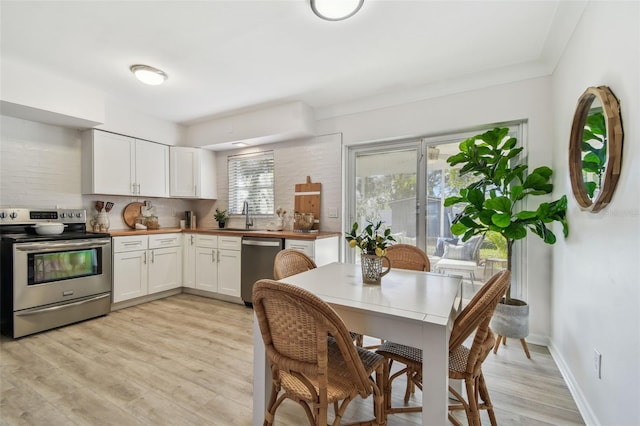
511 320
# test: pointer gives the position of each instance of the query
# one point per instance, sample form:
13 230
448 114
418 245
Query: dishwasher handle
261 243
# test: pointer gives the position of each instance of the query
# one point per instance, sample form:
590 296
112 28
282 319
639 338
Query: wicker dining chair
308 367
406 256
290 262
464 363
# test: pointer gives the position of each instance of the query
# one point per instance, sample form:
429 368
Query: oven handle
55 308
52 246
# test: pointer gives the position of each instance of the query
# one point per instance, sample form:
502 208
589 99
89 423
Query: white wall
526 100
596 286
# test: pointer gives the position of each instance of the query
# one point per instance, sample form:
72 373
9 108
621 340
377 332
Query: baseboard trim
584 408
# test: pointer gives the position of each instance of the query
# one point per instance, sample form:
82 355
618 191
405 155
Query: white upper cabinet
122 165
192 173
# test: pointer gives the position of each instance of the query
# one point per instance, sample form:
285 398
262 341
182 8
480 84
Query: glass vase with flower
373 241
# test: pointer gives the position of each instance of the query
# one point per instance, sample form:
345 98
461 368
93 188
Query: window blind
251 179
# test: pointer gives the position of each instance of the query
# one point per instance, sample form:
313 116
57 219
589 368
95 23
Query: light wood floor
187 360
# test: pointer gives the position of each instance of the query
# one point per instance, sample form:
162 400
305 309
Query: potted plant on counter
492 204
221 217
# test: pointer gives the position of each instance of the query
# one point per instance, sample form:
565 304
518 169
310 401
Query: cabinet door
305 246
326 250
184 172
229 273
189 261
129 275
107 163
165 269
152 169
206 269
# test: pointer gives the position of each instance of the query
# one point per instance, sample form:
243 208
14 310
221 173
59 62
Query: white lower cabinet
229 265
217 264
322 250
146 264
129 275
189 260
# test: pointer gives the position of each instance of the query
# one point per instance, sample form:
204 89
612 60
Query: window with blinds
251 179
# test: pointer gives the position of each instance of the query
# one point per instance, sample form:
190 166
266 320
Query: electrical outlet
333 212
597 363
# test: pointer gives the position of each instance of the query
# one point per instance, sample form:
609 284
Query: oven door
49 272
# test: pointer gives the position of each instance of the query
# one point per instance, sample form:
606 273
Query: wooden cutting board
130 213
307 199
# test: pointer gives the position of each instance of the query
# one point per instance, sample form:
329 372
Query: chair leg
484 395
473 416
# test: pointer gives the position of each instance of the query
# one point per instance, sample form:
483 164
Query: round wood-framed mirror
595 148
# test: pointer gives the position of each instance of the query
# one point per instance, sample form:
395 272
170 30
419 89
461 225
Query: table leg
435 352
261 376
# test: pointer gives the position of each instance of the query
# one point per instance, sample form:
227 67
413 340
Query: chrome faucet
248 221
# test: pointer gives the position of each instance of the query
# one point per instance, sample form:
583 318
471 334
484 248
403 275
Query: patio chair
461 257
464 363
308 367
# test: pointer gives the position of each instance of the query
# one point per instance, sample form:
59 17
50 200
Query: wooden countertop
235 233
128 232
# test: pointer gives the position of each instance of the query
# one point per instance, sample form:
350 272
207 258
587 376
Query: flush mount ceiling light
336 10
148 75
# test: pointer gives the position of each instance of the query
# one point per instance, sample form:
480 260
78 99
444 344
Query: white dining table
409 307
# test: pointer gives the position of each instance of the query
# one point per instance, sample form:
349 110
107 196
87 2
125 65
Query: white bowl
49 228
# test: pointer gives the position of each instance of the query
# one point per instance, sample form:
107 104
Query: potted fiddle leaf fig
492 203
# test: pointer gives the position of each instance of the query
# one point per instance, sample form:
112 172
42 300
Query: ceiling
229 56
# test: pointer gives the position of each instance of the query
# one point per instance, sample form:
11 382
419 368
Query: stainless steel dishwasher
258 254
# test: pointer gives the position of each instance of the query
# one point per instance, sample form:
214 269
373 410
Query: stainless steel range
51 280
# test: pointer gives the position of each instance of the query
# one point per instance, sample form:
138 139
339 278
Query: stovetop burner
16 224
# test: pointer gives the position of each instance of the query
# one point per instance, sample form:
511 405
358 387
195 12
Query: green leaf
526 214
502 220
485 216
468 222
534 180
476 197
543 171
458 229
450 201
590 188
501 204
515 231
457 158
516 193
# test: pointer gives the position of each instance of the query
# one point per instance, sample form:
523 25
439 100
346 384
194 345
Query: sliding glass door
383 186
404 184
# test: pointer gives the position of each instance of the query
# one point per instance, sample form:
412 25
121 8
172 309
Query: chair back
406 256
295 326
290 262
476 316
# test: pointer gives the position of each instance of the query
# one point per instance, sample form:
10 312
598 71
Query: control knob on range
13 215
78 215
62 215
3 215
